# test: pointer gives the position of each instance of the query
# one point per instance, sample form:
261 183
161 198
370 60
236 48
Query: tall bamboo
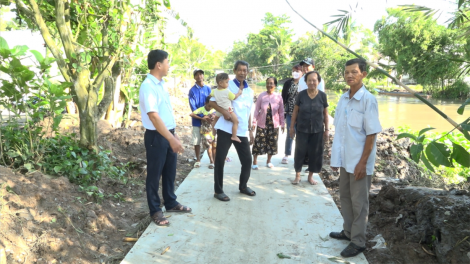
375 66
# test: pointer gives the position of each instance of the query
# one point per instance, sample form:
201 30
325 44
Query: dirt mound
46 219
421 225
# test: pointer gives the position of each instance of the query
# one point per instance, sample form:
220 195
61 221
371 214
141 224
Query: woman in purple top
268 116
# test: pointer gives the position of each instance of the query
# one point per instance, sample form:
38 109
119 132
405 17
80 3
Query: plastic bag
380 242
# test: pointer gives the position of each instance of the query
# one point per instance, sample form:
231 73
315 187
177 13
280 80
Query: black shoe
339 235
352 250
306 170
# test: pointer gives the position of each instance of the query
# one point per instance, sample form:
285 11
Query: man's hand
334 168
206 118
360 170
282 130
252 139
176 145
291 132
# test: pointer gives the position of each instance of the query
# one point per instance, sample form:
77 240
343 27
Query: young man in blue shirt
161 142
197 98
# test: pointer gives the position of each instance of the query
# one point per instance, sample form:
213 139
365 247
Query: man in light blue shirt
161 142
242 108
353 152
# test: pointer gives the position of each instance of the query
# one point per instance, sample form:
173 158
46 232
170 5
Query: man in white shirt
242 108
308 65
353 152
161 142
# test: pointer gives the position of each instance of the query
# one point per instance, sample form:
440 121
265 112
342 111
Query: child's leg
235 127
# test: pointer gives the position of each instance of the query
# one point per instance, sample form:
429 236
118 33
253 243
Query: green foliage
29 139
271 46
440 152
189 54
332 104
459 89
420 47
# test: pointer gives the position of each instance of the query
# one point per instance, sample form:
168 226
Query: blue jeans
288 148
161 161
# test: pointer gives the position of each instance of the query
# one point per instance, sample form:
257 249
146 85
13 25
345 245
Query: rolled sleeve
371 118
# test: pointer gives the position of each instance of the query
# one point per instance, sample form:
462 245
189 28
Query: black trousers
244 154
311 144
161 161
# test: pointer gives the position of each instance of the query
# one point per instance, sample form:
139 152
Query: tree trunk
88 131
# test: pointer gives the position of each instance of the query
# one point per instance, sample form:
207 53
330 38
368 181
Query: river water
409 111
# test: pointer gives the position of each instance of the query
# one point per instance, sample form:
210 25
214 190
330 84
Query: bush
459 89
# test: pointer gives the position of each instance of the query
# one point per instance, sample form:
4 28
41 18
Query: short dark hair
360 62
220 77
310 72
297 67
274 78
241 62
208 99
156 56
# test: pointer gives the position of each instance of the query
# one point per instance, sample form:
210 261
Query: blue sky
218 23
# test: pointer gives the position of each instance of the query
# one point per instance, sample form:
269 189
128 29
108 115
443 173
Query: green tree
420 47
329 59
189 54
270 47
87 38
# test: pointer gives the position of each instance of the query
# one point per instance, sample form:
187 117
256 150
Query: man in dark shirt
197 98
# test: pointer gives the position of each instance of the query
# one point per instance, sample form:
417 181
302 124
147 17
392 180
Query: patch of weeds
93 192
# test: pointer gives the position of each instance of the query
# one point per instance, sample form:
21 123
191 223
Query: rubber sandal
285 160
211 166
197 165
222 197
313 183
248 191
228 159
254 167
180 209
270 165
295 183
158 217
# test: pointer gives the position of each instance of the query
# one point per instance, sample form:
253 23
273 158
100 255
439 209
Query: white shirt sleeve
371 117
151 100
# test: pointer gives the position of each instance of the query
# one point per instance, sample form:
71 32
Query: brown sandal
158 218
180 209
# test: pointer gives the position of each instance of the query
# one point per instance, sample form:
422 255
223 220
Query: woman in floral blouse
268 116
289 92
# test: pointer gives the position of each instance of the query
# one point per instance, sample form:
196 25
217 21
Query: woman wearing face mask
289 92
268 116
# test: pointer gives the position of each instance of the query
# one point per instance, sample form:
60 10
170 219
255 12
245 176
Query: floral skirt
266 138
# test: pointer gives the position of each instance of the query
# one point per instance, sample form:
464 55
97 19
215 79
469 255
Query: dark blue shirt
245 84
197 98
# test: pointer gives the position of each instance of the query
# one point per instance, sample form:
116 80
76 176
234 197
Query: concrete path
281 218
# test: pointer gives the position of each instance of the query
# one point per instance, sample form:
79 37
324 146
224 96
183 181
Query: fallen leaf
282 256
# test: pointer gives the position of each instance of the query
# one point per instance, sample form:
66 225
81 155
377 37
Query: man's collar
245 84
199 86
154 79
358 95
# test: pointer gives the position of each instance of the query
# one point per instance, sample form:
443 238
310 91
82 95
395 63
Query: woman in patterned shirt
289 93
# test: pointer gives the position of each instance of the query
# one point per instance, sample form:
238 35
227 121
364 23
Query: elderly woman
289 93
311 116
269 115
